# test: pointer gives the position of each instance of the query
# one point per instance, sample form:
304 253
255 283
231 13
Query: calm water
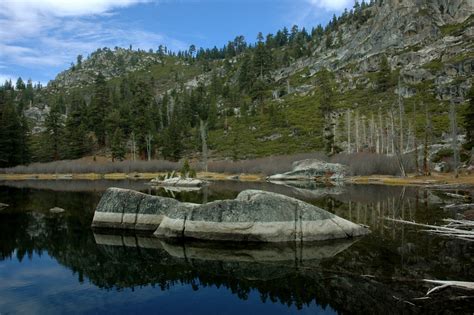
54 263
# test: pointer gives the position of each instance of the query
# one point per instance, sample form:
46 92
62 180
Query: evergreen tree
75 134
99 107
13 150
326 108
54 132
383 76
118 145
20 85
142 123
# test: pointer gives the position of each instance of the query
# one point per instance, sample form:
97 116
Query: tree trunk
357 131
348 131
454 135
398 153
148 140
203 130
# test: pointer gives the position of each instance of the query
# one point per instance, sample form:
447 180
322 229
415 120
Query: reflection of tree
391 252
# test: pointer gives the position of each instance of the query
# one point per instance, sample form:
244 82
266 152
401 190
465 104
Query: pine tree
326 108
99 107
142 123
12 134
383 76
54 131
118 145
75 133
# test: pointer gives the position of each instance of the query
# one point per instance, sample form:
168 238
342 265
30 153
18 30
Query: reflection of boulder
257 216
211 251
267 252
312 169
310 189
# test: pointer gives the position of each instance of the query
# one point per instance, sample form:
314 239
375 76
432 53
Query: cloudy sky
39 38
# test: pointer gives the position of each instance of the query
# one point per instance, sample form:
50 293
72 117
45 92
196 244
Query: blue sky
39 38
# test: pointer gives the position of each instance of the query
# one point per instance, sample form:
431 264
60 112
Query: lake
54 263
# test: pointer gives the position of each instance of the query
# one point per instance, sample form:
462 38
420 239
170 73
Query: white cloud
332 5
40 34
6 77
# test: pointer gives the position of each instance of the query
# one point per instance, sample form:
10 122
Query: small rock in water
56 210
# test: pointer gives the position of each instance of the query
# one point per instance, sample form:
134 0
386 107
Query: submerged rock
312 169
257 216
56 210
3 205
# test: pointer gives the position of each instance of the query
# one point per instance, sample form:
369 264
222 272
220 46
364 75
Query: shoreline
410 180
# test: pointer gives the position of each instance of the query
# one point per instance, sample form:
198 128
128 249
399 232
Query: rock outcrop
254 216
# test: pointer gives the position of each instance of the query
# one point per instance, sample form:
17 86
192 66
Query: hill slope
275 97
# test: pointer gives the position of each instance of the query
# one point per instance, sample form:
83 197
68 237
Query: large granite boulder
312 169
254 216
257 216
128 209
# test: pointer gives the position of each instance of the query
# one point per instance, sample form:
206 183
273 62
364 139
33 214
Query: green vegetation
142 105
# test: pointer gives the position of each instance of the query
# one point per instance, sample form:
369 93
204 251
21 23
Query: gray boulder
311 169
127 209
257 216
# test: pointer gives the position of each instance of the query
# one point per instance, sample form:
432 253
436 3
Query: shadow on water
375 274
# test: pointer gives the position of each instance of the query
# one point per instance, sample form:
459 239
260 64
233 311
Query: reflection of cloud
43 286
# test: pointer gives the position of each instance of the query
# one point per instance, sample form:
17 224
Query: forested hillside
380 78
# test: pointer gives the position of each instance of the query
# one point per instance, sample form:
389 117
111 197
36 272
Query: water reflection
375 274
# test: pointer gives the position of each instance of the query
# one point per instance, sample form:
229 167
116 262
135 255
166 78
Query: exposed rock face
259 217
310 169
127 209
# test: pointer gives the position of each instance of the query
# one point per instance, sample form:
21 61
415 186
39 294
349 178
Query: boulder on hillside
312 169
257 216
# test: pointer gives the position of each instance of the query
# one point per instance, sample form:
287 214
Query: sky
40 38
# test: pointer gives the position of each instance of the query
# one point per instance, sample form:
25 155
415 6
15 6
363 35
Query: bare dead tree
426 162
133 147
401 110
381 131
454 135
348 121
203 131
415 142
148 139
397 149
357 131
